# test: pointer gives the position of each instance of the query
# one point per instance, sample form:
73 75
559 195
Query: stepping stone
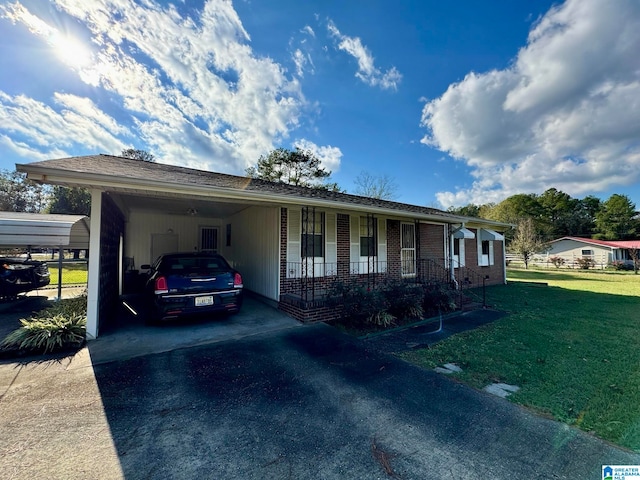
453 367
448 368
446 371
502 390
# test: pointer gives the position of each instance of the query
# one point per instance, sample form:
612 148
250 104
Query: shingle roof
125 168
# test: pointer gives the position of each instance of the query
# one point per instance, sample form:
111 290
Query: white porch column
93 282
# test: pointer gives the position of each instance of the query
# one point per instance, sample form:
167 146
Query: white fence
543 261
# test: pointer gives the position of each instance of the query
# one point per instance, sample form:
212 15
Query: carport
140 210
35 230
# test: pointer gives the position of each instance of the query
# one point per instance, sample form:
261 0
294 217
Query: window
208 239
368 237
408 249
587 253
485 247
312 234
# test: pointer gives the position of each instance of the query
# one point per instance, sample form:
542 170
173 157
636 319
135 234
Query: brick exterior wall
493 274
394 265
344 244
431 241
294 292
111 228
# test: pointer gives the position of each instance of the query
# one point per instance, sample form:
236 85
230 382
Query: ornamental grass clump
58 327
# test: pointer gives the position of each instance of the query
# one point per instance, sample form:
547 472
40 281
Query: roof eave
57 176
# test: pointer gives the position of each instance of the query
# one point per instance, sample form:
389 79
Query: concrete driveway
298 403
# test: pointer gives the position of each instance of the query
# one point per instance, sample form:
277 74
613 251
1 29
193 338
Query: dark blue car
181 284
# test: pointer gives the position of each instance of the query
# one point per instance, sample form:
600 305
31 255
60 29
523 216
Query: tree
18 194
298 167
634 254
76 201
615 219
526 241
516 207
138 155
469 210
382 187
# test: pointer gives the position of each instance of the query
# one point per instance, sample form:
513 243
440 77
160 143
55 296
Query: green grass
72 274
572 346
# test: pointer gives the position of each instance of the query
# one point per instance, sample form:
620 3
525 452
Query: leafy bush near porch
365 308
55 328
437 299
360 305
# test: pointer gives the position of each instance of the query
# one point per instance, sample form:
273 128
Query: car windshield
186 265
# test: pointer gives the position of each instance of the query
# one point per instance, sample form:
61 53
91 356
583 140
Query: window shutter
479 248
382 244
490 253
294 233
331 247
354 252
461 259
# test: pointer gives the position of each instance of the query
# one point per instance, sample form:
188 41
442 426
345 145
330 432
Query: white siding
255 249
572 249
142 224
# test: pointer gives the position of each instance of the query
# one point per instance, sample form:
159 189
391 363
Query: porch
309 286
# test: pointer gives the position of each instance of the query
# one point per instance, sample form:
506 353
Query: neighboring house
289 242
602 252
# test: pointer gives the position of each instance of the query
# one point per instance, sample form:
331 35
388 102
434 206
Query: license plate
204 301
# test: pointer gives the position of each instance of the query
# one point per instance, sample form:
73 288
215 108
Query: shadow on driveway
310 402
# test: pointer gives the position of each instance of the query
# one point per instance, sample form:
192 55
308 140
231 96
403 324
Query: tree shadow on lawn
522 275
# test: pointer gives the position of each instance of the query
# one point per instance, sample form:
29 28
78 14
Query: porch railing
311 281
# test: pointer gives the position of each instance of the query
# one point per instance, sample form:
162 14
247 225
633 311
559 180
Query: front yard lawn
572 346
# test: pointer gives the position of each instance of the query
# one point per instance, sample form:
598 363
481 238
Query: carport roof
19 229
123 174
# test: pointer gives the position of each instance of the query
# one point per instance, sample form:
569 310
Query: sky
458 102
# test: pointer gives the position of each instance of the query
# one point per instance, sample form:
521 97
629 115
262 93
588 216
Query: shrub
359 305
438 299
620 265
60 326
404 300
585 263
557 261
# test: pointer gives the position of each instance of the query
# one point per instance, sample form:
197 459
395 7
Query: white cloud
367 71
193 88
40 131
330 157
566 114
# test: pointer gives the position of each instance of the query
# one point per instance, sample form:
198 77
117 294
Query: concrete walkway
423 335
297 403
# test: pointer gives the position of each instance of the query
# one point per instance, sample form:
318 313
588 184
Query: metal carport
21 229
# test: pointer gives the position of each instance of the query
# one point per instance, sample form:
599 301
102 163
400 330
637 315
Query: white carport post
93 281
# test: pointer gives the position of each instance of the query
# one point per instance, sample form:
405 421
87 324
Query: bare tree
526 241
634 253
382 187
